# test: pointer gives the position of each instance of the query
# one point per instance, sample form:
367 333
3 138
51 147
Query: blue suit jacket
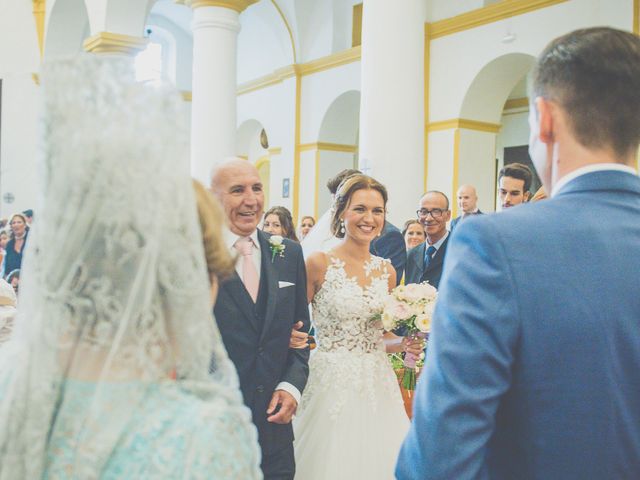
456 220
416 272
532 369
390 245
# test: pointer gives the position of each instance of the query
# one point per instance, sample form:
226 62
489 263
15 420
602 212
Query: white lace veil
320 238
114 288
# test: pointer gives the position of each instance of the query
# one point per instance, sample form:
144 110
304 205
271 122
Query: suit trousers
280 465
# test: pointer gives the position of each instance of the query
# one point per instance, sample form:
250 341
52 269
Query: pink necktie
244 245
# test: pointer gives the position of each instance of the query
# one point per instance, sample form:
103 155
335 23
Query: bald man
256 309
467 204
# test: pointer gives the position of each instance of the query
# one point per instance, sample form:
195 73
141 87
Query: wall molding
514 103
237 5
108 42
457 123
330 61
330 147
275 151
288 27
186 95
39 12
278 76
489 14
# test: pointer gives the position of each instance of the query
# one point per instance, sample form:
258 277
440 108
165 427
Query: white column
213 106
392 101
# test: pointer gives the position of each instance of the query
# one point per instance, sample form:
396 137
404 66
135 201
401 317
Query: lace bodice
343 310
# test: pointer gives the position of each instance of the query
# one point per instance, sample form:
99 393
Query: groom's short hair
594 75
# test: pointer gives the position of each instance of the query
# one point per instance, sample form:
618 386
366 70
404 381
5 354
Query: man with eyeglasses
424 262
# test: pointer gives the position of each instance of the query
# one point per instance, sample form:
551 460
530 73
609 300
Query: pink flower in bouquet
400 311
414 292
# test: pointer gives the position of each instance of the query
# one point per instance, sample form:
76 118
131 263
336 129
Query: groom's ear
546 119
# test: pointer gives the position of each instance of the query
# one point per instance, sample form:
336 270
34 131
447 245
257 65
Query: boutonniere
276 245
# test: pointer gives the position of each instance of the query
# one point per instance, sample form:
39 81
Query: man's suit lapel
438 258
418 260
241 297
271 281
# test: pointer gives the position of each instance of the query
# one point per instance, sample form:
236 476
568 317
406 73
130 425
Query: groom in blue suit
532 367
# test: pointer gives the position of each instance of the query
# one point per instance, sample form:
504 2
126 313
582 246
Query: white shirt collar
231 238
439 243
596 167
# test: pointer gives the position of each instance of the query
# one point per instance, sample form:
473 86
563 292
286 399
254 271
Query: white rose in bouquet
423 323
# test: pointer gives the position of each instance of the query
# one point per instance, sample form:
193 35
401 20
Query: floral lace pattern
350 354
103 304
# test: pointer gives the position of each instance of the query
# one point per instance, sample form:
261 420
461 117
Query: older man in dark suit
256 309
424 262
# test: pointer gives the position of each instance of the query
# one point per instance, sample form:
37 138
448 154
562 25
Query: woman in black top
13 256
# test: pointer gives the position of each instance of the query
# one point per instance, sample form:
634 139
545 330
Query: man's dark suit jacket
456 220
257 335
415 265
390 245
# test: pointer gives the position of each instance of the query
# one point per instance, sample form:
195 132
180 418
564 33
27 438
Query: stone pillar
213 107
392 101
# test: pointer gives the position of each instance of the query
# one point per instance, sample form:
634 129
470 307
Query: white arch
340 122
67 25
490 88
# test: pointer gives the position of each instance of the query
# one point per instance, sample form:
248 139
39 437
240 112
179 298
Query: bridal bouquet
411 307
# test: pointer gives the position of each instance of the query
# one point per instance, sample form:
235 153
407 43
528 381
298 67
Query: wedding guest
278 221
256 309
467 204
413 233
306 224
116 368
514 182
14 280
15 247
531 371
8 302
425 262
4 239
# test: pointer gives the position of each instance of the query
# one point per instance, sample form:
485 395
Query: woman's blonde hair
345 191
219 261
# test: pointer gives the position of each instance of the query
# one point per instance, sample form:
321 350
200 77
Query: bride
107 373
351 420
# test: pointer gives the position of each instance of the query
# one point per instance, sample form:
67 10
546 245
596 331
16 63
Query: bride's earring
342 226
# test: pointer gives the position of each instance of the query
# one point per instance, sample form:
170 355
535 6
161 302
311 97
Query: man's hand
298 340
285 405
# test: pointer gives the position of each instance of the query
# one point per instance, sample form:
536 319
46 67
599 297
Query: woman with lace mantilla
351 420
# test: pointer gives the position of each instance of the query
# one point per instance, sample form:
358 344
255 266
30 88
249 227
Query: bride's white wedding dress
351 421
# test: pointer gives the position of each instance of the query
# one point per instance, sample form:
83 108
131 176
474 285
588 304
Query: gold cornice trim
186 96
489 14
356 25
456 170
237 5
286 24
36 78
39 12
274 78
330 61
427 73
464 123
296 152
107 42
331 147
513 103
275 151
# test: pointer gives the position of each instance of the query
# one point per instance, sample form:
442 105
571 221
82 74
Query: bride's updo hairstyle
345 191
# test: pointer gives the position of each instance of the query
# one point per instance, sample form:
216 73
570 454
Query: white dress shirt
230 240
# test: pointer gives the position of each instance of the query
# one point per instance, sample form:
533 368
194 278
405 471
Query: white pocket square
282 284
